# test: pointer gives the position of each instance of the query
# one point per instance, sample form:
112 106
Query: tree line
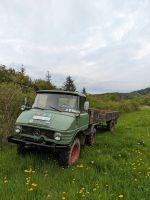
24 81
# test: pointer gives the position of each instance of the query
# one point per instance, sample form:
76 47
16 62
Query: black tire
66 156
91 138
111 126
21 149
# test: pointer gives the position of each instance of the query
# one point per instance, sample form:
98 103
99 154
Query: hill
142 91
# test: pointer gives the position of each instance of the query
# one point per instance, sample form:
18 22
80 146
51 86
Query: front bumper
27 144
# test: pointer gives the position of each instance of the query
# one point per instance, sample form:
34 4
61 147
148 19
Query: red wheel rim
75 153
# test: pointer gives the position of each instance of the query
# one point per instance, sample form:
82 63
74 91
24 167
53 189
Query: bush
11 99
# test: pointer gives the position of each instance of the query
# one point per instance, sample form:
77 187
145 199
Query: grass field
117 167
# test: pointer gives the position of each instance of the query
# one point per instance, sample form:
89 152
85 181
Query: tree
69 84
84 90
40 84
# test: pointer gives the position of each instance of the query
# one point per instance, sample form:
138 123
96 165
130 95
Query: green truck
61 122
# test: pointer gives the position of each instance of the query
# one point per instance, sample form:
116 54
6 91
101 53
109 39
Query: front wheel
69 157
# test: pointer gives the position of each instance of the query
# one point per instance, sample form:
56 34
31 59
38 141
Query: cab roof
61 92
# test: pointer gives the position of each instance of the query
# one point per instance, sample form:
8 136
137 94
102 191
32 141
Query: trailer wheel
111 126
69 157
91 138
21 149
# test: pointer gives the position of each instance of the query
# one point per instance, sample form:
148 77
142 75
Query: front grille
37 132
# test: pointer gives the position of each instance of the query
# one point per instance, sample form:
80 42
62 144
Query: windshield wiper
55 108
38 108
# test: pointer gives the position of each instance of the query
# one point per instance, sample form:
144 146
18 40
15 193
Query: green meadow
117 167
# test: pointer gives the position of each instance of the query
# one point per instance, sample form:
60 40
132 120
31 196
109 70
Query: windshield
59 102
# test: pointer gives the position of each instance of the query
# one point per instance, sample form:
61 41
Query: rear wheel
91 138
69 157
111 126
21 149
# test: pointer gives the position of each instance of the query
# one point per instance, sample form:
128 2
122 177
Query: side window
82 101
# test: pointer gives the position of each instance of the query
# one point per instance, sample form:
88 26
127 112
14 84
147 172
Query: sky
103 44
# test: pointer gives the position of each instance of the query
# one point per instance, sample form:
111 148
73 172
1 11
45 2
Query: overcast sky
103 44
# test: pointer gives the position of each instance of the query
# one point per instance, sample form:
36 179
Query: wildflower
80 166
34 184
30 189
28 170
94 189
120 196
5 181
48 196
63 198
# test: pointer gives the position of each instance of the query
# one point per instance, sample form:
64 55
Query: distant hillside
142 91
116 96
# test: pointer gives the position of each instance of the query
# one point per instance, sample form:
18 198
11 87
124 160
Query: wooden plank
98 116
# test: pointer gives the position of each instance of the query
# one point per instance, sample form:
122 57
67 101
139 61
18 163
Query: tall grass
105 102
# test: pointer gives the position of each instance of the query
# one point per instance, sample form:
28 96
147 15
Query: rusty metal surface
102 116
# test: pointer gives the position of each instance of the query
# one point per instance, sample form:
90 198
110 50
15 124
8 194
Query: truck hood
46 119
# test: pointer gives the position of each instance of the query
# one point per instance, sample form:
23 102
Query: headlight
18 129
57 136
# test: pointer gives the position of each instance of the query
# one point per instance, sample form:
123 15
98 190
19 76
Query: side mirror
86 106
25 106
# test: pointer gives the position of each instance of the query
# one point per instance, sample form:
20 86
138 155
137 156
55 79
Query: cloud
102 44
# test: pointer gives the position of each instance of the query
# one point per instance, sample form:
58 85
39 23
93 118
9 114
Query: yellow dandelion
26 171
48 196
30 170
94 189
120 196
34 184
63 198
30 189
